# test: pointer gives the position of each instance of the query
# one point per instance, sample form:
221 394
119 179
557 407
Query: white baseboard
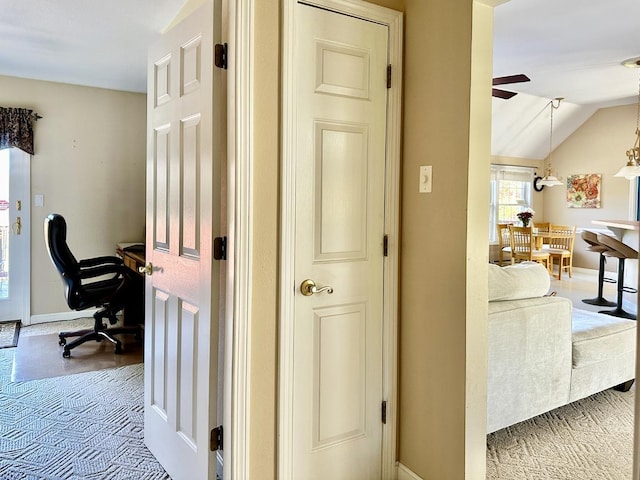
405 474
586 270
56 317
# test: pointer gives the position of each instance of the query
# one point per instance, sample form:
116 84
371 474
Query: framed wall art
583 190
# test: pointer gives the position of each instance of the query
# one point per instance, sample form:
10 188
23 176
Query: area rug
40 356
87 426
591 439
9 332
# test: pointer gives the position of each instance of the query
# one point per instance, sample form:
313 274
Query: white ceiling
569 48
99 43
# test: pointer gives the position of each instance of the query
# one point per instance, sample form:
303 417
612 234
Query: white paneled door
341 96
183 209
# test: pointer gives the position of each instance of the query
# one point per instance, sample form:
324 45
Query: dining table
540 237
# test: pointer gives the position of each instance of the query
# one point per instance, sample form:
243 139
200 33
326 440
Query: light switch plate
425 179
38 200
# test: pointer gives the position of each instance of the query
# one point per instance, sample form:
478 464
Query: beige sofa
542 353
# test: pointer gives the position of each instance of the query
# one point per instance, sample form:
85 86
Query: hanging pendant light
549 180
632 169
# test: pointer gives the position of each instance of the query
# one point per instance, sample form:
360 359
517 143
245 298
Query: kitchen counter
618 224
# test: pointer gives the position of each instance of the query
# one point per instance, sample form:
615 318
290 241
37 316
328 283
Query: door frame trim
237 369
394 21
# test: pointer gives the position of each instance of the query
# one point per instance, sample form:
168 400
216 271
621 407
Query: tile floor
584 284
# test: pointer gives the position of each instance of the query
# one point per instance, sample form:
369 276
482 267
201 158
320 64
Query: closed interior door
182 292
14 235
340 68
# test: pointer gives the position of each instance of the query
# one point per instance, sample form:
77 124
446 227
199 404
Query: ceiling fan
519 78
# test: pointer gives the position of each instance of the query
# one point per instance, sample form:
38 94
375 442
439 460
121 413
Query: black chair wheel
118 349
66 353
62 342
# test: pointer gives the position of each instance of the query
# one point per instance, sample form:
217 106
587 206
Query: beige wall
187 9
264 317
89 164
437 437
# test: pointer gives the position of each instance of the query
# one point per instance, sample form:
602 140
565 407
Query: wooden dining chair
560 247
523 247
504 242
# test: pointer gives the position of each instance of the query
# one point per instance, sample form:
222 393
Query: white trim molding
393 20
404 473
237 414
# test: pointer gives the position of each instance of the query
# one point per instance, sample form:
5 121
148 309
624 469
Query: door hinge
216 439
385 246
388 76
220 248
220 55
384 412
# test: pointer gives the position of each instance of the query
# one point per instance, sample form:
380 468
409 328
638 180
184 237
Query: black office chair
102 282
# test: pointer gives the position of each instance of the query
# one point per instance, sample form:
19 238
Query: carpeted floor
591 439
80 426
86 426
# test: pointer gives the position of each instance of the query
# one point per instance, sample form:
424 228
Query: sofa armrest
529 359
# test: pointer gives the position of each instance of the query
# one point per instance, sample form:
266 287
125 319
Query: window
510 193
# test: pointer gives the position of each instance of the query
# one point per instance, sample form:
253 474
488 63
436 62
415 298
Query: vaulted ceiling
568 48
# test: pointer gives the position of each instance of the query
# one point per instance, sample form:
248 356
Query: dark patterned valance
16 128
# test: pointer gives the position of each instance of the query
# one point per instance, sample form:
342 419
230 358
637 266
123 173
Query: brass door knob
147 269
308 288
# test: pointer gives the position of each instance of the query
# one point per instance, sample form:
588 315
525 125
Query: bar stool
620 251
591 238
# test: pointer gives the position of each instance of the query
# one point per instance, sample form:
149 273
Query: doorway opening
14 235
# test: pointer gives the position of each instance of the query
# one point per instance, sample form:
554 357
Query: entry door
183 190
14 235
340 70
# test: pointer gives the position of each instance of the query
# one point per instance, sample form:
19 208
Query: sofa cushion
514 282
597 337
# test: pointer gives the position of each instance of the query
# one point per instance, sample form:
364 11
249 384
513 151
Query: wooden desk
134 258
